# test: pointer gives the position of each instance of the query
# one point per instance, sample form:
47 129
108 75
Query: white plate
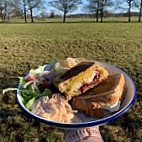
128 101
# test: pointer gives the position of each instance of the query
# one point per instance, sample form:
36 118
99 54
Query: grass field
25 46
74 20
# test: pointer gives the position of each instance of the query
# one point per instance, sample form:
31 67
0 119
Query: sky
80 9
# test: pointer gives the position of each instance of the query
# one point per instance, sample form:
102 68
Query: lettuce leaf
30 103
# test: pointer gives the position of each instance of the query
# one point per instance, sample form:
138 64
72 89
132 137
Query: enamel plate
128 101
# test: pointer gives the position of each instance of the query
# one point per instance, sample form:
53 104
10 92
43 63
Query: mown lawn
26 46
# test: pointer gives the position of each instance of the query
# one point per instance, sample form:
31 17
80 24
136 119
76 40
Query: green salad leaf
48 93
30 90
21 80
30 103
30 95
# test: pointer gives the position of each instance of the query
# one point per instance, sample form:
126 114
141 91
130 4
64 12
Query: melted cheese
85 77
76 82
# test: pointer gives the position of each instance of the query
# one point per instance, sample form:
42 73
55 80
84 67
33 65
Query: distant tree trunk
1 14
8 17
102 14
25 13
97 12
5 13
129 10
32 19
140 12
97 16
64 16
4 17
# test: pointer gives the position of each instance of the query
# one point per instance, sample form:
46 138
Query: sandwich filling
80 84
81 78
94 81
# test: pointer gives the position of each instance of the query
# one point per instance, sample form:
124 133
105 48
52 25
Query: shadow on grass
8 79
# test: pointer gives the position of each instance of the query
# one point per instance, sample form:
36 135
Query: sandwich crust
80 78
106 94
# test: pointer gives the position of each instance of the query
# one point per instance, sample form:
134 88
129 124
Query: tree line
27 8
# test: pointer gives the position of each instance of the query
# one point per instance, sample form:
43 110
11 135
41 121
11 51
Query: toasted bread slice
104 95
80 78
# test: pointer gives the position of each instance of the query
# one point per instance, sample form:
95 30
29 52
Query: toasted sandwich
80 78
103 98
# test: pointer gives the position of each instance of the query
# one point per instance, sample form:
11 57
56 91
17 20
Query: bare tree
93 8
1 9
97 11
102 4
129 9
4 9
65 6
138 5
130 5
31 5
19 7
140 12
97 7
25 10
